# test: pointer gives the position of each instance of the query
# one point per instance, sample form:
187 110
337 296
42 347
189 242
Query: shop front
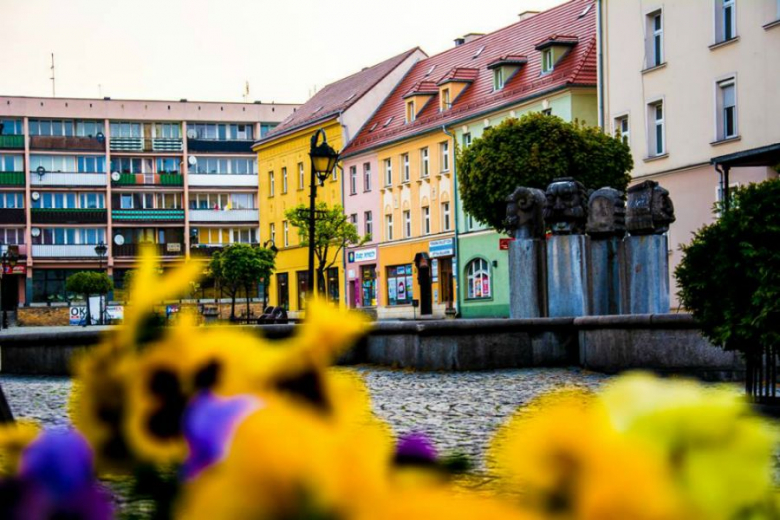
362 278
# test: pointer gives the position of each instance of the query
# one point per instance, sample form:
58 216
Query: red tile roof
337 96
460 74
576 68
422 88
509 59
557 39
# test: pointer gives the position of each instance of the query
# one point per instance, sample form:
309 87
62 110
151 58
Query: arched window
478 277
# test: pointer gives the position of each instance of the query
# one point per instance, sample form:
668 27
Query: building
340 109
692 88
76 173
426 244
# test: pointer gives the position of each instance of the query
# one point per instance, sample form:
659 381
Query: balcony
12 141
64 251
68 179
11 178
149 179
224 215
134 250
208 250
68 216
147 215
216 146
12 216
141 144
223 180
75 143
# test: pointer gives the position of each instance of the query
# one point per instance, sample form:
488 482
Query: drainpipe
455 211
344 137
600 67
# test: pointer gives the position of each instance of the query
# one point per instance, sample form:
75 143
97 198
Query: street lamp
268 244
101 251
323 160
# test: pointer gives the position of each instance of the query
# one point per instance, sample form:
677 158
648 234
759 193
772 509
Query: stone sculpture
566 210
650 210
524 213
606 214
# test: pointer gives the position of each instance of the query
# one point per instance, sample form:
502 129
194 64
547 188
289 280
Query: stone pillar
606 227
527 271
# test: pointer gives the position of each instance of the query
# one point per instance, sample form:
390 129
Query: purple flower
209 424
415 448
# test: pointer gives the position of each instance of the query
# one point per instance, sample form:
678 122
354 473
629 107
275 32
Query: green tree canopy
89 283
241 266
332 233
532 151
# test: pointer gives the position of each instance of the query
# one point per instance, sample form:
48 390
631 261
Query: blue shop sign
440 248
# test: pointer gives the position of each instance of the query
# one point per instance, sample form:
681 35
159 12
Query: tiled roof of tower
576 68
337 96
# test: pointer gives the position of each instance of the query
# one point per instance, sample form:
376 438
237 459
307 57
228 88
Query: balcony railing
64 251
68 216
12 141
12 216
214 145
219 215
58 142
207 250
67 179
133 250
141 144
222 180
146 179
11 178
146 215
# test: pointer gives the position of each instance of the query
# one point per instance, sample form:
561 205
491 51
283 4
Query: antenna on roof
246 91
53 90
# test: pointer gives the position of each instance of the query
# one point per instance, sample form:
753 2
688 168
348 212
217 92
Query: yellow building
284 170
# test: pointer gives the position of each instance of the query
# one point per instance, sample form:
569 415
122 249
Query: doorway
446 283
423 263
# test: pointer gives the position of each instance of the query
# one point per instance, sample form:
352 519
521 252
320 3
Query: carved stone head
606 213
650 210
524 208
566 208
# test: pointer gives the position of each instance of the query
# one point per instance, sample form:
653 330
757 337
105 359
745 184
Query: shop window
478 279
399 285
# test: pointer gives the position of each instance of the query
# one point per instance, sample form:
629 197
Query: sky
208 49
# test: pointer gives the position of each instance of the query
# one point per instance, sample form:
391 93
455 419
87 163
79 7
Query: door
424 279
282 291
445 282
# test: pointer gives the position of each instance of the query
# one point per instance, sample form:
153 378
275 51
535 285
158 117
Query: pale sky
207 49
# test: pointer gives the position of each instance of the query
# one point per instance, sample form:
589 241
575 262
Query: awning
763 156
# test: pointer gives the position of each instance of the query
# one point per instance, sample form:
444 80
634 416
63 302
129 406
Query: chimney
470 37
459 41
525 15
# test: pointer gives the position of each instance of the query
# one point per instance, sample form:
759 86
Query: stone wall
42 316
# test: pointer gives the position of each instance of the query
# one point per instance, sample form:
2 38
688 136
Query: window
222 131
426 220
335 175
655 40
301 177
353 220
12 236
547 112
469 222
54 163
478 279
445 156
407 224
70 236
272 232
303 288
410 114
547 61
399 285
656 134
51 127
167 165
284 180
222 166
12 127
126 201
11 163
498 78
424 162
622 130
366 176
388 227
368 223
466 139
286 231
167 130
388 172
445 216
405 162
12 200
333 284
725 20
727 109
353 180
124 129
445 99
283 290
270 184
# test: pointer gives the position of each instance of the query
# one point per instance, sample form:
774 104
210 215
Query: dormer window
498 79
554 49
452 85
504 68
410 112
445 99
547 61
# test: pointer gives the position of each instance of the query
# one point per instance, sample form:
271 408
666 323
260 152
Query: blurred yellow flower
14 438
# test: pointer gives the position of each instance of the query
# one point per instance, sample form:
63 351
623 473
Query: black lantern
101 250
323 156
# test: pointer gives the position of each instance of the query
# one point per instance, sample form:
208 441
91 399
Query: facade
692 87
76 173
432 259
340 110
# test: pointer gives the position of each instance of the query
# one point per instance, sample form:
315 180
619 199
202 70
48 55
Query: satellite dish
192 134
101 137
115 176
192 160
41 171
35 195
119 240
36 232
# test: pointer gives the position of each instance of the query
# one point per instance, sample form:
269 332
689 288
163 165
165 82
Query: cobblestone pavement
459 411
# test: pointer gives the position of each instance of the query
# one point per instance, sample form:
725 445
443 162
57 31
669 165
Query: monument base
567 275
607 281
527 295
647 273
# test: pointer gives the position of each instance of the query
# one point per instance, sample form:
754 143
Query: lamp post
101 251
323 160
268 244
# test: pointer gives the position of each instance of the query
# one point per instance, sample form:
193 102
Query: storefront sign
174 247
15 269
362 255
503 243
78 314
439 248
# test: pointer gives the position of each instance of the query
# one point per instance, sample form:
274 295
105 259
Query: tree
89 283
532 151
332 233
729 277
241 266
